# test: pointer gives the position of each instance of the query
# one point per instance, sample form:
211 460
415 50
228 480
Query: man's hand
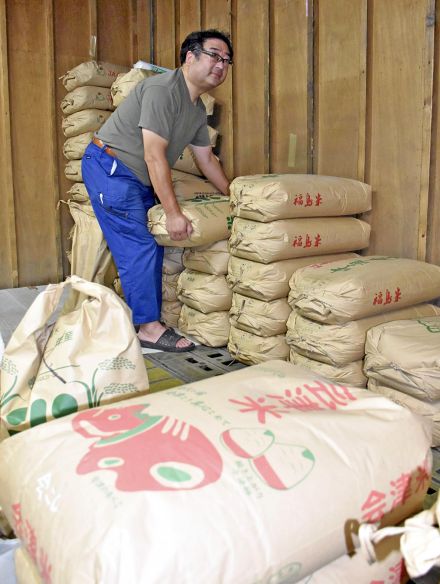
178 226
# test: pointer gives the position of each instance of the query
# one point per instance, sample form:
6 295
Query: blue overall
120 202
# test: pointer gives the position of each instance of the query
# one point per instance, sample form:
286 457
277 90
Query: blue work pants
120 202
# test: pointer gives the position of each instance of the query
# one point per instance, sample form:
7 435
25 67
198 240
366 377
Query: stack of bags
334 305
205 294
171 269
402 362
86 106
283 223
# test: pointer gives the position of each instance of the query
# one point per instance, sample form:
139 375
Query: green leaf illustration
38 412
63 405
17 416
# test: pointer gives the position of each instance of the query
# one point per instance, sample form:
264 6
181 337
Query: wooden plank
165 34
218 14
93 27
288 87
52 169
189 18
8 240
311 65
433 227
398 124
251 88
340 89
31 98
143 26
115 32
428 75
72 41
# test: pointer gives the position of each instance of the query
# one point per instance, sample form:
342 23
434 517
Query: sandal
167 342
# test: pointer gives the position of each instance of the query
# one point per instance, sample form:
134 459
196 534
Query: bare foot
151 331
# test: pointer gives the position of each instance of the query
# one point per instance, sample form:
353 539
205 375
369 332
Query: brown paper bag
422 407
188 186
26 571
204 292
187 161
210 329
294 238
270 281
250 349
266 319
169 287
172 260
170 312
349 290
338 344
268 197
78 193
73 171
126 82
90 257
405 355
210 259
209 216
96 73
88 357
348 374
88 120
226 455
85 97
74 147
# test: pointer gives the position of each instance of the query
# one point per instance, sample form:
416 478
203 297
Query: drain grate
199 364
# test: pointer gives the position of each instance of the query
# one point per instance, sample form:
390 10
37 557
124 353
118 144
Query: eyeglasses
217 57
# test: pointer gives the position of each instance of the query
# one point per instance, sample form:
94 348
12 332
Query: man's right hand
178 226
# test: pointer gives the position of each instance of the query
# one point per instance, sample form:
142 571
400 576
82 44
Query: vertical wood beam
251 88
219 14
311 72
32 133
93 26
433 234
142 26
428 78
52 131
165 34
8 242
288 86
190 18
340 88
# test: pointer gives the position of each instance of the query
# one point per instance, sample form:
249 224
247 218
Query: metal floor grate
195 365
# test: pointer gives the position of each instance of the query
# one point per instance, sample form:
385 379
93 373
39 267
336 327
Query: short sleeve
202 137
157 111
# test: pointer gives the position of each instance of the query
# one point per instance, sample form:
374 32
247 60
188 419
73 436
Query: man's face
204 68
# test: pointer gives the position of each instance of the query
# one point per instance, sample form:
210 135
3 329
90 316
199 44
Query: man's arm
211 168
178 226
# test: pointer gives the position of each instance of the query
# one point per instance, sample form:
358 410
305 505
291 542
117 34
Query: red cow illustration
147 452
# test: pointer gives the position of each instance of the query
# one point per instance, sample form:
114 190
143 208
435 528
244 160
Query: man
129 162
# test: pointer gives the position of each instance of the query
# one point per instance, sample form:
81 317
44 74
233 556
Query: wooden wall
339 87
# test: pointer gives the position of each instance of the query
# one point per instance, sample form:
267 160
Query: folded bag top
53 366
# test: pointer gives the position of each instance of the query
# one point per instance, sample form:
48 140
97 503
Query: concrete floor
14 303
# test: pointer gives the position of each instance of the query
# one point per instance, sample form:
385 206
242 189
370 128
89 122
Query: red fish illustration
147 452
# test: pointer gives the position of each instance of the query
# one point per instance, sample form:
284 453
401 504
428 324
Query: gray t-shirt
163 105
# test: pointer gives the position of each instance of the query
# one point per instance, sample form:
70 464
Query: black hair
194 42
